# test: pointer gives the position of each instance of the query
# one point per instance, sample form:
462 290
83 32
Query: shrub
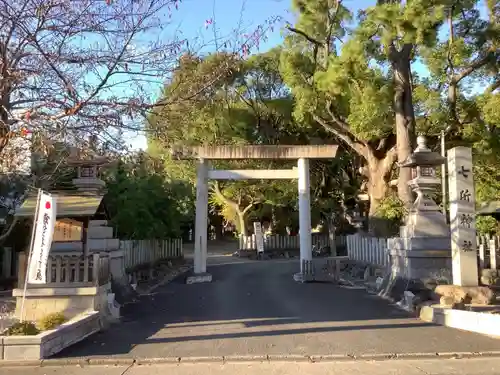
487 225
22 329
51 321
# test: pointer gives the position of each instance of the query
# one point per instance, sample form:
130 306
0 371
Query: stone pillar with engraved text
462 217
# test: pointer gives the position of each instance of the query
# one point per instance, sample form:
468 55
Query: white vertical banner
42 239
259 238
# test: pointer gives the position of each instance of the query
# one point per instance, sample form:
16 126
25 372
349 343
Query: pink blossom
208 23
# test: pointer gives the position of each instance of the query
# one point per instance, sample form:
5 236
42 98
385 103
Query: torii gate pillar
200 226
304 212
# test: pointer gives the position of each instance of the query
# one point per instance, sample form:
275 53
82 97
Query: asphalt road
256 308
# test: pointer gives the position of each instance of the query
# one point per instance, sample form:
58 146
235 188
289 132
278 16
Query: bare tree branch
74 68
303 34
222 197
494 86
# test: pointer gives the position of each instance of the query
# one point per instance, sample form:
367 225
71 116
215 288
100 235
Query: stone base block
45 344
71 301
426 244
322 269
199 278
421 265
303 278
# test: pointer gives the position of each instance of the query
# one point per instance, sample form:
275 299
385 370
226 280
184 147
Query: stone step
97 223
57 247
103 244
95 232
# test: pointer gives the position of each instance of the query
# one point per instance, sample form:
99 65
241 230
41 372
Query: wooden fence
281 242
374 250
370 250
141 252
76 270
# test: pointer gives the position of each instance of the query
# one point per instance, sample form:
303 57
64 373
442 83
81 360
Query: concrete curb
106 361
472 321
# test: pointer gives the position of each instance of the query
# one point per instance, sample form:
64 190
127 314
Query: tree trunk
331 234
240 212
378 172
242 226
404 117
274 221
378 187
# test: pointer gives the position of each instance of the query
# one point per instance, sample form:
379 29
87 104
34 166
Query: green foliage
337 81
388 217
22 329
246 105
350 81
487 225
51 321
143 203
342 75
391 208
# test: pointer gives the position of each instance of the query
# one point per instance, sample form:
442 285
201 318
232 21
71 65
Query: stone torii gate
203 154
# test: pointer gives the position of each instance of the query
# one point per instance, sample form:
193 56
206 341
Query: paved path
487 366
256 308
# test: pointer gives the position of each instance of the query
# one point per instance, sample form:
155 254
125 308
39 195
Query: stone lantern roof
79 158
88 165
423 156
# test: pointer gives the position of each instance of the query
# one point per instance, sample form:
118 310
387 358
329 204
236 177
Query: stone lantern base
417 265
423 249
421 258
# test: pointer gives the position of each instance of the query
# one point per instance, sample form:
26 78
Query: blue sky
245 15
191 16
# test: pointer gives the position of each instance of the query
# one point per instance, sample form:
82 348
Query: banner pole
30 251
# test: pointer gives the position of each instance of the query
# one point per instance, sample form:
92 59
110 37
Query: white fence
370 250
281 242
374 250
141 252
489 252
75 270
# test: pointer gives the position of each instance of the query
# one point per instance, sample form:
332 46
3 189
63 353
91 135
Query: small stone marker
462 217
259 237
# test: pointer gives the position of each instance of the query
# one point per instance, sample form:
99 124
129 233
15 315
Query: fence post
356 246
372 249
95 269
493 253
482 256
349 246
365 246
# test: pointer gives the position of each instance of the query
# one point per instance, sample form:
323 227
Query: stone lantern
425 217
88 167
422 250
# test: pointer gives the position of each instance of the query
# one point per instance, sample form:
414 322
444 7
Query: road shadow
261 298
